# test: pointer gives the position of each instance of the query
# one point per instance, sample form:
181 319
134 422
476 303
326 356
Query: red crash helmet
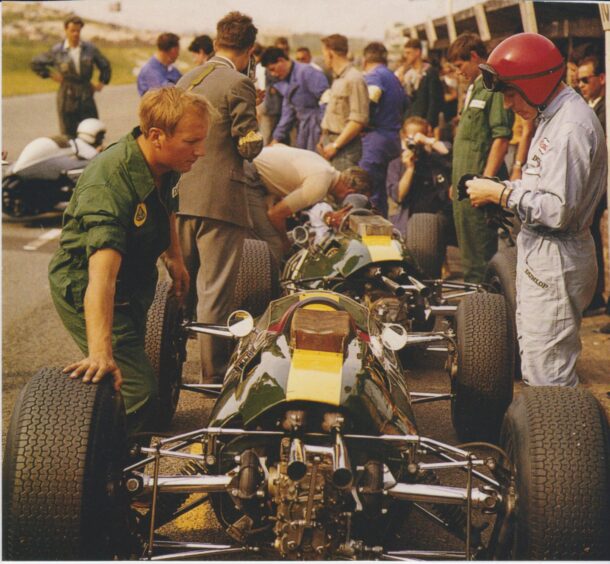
527 62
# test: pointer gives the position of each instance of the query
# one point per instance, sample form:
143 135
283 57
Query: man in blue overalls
301 87
381 141
563 181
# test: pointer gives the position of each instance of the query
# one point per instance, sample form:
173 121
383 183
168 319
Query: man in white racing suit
563 181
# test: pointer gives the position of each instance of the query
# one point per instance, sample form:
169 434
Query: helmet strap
544 104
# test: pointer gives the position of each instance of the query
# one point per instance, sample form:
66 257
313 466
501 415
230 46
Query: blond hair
164 108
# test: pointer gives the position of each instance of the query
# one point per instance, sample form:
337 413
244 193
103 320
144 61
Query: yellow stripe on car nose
382 247
315 376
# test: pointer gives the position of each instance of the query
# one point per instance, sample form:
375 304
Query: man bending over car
120 219
300 178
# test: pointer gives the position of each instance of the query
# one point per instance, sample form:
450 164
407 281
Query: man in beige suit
213 218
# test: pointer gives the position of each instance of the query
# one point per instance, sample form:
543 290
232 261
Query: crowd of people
283 133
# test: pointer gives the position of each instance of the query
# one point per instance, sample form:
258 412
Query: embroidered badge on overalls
140 216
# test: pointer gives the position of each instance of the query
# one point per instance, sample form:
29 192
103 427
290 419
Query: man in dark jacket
592 84
422 84
71 64
213 218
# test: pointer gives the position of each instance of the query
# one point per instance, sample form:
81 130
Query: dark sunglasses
585 79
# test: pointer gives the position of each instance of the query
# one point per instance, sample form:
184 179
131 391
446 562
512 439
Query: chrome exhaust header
342 471
297 460
187 484
444 494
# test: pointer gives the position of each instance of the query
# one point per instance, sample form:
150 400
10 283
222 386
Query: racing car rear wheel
501 276
483 385
165 346
425 238
258 278
61 472
557 439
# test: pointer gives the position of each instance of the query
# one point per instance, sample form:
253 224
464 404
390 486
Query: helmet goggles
491 79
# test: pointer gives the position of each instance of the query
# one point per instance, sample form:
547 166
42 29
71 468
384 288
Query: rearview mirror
240 323
300 235
394 336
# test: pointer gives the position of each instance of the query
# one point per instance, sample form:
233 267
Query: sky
354 18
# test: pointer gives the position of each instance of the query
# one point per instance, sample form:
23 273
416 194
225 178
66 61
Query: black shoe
594 311
596 307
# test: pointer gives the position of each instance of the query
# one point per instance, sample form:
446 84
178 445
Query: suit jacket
215 187
600 111
59 57
428 99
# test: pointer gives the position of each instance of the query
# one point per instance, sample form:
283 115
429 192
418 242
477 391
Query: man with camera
418 180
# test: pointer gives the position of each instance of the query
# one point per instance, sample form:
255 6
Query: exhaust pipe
342 472
443 494
297 466
250 475
394 287
187 484
423 290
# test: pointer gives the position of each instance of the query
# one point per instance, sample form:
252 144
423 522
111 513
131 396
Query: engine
307 490
313 499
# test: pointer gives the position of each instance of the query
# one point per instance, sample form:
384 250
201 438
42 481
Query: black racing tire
62 465
26 200
557 439
501 277
14 202
425 238
483 386
258 278
165 346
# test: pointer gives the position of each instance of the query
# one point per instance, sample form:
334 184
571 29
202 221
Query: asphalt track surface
33 336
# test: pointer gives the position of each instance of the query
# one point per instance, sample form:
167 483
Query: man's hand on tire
94 368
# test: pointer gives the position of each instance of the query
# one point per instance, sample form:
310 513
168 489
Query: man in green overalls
120 219
480 145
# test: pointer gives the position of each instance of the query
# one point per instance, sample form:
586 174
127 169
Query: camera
411 144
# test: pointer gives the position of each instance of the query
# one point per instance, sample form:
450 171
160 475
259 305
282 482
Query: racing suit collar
554 106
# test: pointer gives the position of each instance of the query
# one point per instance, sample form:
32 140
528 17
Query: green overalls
115 205
483 119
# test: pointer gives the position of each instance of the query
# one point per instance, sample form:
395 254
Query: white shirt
301 177
74 53
593 103
260 82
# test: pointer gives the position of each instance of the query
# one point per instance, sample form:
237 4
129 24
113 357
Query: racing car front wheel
425 238
483 385
61 472
165 345
501 276
257 279
557 439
